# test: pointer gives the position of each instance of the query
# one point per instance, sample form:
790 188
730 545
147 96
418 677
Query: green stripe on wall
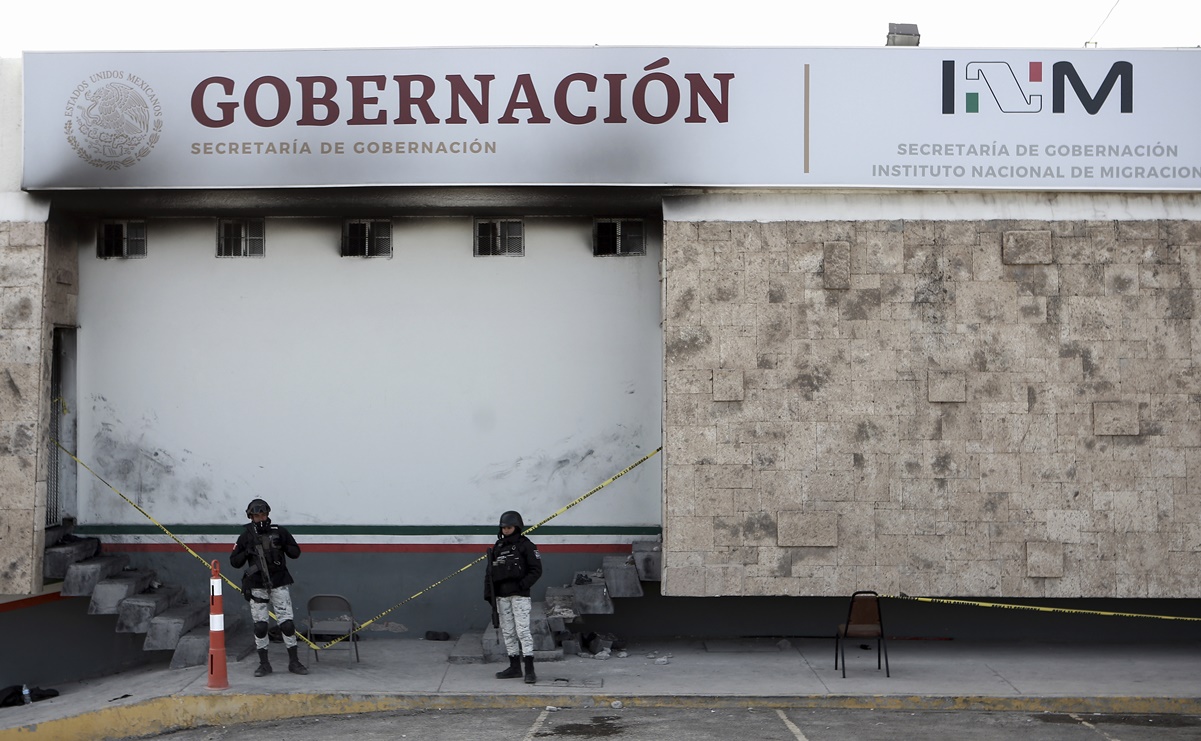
410 530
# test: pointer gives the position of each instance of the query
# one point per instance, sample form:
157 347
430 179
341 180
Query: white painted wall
431 388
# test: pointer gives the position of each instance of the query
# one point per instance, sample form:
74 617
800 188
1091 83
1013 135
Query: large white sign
878 118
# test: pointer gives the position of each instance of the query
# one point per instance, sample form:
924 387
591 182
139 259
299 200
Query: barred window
618 237
499 237
241 238
367 238
121 238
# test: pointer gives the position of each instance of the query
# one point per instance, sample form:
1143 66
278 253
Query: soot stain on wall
149 475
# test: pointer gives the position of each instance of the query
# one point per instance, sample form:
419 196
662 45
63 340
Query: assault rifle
260 563
491 591
260 550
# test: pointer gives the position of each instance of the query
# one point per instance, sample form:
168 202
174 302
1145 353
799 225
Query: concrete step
193 647
469 649
540 628
621 576
169 626
110 592
54 535
135 613
57 558
82 577
591 593
493 644
560 603
648 558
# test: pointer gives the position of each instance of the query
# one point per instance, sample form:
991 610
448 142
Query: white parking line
791 726
1090 726
537 725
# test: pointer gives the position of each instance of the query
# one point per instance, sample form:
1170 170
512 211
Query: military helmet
258 507
511 519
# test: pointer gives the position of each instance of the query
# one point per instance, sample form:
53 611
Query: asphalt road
637 724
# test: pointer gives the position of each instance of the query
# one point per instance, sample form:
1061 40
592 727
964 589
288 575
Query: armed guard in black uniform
514 565
263 548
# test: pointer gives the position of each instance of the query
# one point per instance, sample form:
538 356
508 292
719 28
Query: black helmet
512 519
258 507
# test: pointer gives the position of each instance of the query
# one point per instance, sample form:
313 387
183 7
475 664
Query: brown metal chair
863 621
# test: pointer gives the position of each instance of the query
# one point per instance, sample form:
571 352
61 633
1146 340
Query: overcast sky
75 25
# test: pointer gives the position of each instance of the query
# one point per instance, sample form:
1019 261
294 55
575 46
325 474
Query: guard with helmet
513 566
263 548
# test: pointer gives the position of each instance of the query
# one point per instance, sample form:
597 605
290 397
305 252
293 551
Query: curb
165 714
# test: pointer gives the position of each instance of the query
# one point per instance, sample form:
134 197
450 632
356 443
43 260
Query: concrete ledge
192 649
58 558
648 559
165 714
136 612
469 649
82 577
110 592
167 628
621 576
591 597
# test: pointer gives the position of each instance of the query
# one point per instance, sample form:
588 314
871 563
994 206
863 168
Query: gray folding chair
330 617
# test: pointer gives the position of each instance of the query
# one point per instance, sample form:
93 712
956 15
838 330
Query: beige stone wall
987 408
38 288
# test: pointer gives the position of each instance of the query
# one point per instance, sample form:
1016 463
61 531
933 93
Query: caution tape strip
527 531
563 509
161 526
1036 608
363 625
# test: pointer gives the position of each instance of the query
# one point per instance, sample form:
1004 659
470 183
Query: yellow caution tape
161 526
1036 608
361 626
145 514
528 530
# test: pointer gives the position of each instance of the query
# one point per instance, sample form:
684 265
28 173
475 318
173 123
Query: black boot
513 671
530 676
294 664
264 667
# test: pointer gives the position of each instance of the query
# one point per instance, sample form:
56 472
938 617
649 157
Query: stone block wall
973 408
38 288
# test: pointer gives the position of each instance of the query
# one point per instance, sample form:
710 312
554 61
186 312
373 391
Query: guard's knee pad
260 630
288 628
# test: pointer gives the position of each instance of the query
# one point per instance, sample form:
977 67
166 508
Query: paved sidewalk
410 673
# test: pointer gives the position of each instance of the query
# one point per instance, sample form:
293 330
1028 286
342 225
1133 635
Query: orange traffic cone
218 674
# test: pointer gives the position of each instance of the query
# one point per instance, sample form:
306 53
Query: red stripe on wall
21 604
477 548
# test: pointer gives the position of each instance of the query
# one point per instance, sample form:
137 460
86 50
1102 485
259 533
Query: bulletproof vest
507 563
272 548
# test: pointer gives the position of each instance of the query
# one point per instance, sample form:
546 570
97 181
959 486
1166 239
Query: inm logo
1012 94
